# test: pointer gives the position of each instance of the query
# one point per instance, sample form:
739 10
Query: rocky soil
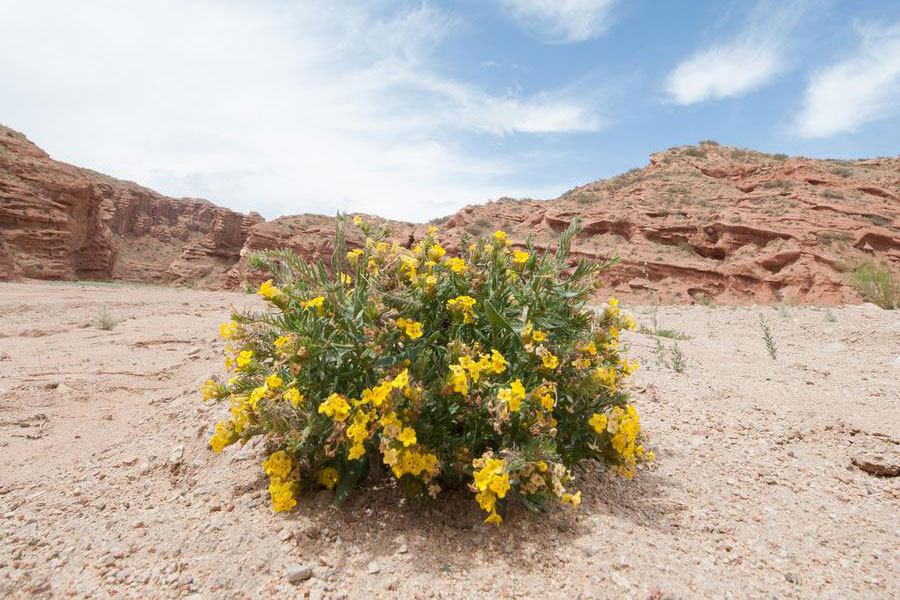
763 486
735 225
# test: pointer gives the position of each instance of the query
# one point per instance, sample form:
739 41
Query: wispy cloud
280 107
861 88
561 21
750 60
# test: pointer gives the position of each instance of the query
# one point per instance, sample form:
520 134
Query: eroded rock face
735 226
58 221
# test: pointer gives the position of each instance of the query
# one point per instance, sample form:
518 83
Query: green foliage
833 194
486 370
696 152
768 337
708 143
780 156
877 284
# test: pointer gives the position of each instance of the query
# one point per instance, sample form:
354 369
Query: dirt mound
707 221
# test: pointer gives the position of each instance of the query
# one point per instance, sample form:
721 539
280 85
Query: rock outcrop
58 221
707 221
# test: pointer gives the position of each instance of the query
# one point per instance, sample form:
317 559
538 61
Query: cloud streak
561 21
744 64
859 89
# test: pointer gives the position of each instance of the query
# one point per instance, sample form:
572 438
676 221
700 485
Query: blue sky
412 109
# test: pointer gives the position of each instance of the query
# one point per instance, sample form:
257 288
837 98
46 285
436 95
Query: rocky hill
705 221
58 221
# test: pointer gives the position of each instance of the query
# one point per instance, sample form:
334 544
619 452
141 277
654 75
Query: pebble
403 549
373 568
298 573
177 454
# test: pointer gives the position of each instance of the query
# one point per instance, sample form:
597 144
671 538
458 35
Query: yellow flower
228 330
538 336
598 422
435 253
282 494
281 343
550 361
457 265
244 358
401 380
273 382
391 456
353 255
407 436
327 477
412 328
548 402
464 305
335 406
278 464
573 499
268 291
520 257
223 436
293 397
210 390
494 519
501 237
316 302
498 362
500 485
356 451
458 379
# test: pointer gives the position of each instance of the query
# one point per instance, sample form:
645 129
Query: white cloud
561 21
862 88
272 106
752 59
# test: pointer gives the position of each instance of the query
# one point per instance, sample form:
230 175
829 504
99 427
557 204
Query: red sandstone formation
733 225
62 222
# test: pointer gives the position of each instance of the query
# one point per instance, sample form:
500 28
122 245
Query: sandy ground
108 488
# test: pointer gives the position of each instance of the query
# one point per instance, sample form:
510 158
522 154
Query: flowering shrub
483 370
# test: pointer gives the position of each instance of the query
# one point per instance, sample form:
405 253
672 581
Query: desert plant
876 283
780 156
104 319
486 370
696 152
708 143
678 361
842 171
829 316
703 299
768 337
658 331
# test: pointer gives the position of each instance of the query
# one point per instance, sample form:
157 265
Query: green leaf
495 318
351 472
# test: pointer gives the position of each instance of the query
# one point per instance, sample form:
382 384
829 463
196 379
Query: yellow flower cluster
491 482
457 265
224 435
327 477
412 328
278 466
336 407
464 306
513 395
268 291
468 368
